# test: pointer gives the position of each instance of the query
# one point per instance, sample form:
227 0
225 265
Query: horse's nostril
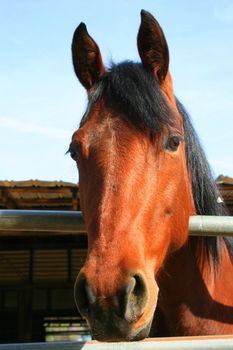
135 298
83 294
140 286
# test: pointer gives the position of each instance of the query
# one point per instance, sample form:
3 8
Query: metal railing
184 343
41 222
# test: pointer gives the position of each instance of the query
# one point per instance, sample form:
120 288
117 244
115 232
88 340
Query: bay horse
142 173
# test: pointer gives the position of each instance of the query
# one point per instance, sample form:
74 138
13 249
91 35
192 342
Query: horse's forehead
101 122
91 135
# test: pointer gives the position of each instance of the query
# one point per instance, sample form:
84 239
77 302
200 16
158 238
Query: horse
142 173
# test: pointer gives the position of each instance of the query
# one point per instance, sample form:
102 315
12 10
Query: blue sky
41 102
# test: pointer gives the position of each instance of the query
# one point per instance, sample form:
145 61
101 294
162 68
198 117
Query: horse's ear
87 60
152 46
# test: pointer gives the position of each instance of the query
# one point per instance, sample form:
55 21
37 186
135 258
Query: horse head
135 190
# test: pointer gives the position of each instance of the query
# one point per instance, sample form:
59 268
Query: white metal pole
190 343
41 222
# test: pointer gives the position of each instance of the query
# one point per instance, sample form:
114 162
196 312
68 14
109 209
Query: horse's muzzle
113 317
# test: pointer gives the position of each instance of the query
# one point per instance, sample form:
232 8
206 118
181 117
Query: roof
60 195
225 185
37 183
224 180
37 194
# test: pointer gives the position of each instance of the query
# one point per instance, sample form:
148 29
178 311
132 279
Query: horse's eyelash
67 152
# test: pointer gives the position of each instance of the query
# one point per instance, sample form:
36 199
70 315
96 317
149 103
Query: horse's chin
121 334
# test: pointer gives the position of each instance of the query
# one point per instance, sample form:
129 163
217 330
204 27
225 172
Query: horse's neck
192 291
178 275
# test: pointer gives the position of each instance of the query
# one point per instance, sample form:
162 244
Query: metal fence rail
191 343
41 222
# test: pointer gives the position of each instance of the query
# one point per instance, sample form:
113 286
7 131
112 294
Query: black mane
205 191
133 92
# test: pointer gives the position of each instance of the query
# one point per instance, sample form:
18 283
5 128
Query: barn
37 272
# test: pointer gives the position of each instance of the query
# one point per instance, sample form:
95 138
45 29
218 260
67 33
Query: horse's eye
172 143
73 153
